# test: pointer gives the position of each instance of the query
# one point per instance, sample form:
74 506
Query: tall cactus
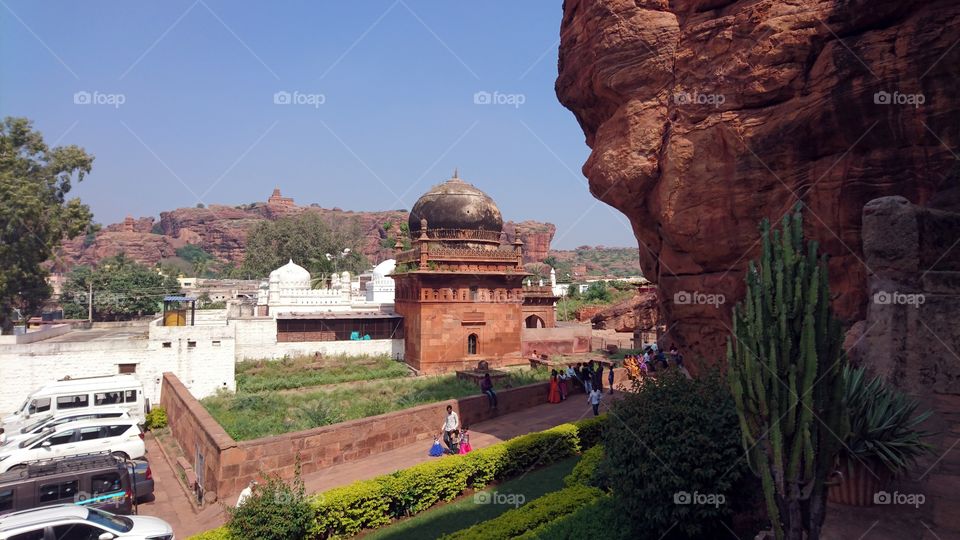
784 360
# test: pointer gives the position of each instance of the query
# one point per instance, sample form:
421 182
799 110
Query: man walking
450 427
594 400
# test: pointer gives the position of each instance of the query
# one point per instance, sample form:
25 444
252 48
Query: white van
81 395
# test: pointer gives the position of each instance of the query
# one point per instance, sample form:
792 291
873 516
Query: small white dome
385 268
290 273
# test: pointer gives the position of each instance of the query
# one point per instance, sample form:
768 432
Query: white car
120 436
51 420
72 522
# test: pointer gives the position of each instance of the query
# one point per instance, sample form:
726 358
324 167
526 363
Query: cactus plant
784 358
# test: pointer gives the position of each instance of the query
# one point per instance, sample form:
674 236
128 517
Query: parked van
85 394
101 481
39 423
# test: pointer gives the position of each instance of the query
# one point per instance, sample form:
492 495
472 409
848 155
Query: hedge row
585 469
345 511
528 520
592 520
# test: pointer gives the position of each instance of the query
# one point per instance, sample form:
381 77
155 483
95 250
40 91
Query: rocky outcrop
639 313
222 231
706 116
145 248
536 237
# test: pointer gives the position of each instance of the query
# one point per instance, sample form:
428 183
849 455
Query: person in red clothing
554 395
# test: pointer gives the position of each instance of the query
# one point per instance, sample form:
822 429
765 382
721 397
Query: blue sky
182 104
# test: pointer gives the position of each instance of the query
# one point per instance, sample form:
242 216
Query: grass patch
250 415
299 372
465 512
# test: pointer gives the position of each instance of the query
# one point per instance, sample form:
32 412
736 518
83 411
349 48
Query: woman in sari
554 395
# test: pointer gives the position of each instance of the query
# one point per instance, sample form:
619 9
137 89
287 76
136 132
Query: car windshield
35 438
37 425
106 519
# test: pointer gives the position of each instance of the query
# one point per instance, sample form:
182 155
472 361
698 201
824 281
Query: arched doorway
472 344
535 321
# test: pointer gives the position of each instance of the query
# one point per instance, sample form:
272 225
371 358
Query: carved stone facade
459 290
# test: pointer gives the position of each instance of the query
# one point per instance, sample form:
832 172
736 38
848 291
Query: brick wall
230 465
196 432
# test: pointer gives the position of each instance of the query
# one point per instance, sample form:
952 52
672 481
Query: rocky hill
596 261
222 231
706 116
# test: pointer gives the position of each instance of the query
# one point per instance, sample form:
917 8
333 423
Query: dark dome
455 204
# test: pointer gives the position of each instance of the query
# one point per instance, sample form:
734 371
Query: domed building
460 287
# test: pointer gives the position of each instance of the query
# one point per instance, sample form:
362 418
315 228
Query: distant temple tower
278 200
459 290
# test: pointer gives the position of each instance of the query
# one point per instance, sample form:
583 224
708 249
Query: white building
381 288
289 290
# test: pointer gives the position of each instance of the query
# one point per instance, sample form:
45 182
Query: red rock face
222 231
706 116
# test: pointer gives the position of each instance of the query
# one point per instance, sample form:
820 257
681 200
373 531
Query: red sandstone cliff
705 116
222 231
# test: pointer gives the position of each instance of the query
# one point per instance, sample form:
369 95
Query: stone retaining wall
229 465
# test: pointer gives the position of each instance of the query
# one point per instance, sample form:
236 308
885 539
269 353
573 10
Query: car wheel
20 467
121 455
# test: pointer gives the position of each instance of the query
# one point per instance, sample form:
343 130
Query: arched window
472 344
534 321
473 294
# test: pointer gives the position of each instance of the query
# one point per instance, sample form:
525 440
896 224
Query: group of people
653 359
588 375
456 439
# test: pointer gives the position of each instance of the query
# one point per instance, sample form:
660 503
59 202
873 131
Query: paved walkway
171 503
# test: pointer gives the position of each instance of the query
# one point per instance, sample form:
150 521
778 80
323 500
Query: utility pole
90 303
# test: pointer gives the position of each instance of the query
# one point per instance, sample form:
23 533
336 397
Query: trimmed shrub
585 469
220 533
529 517
275 511
156 418
592 520
590 430
347 510
673 449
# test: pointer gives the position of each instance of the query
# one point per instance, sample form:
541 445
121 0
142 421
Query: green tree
303 238
597 292
122 290
35 214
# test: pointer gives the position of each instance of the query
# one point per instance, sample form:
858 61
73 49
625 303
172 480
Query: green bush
593 520
220 533
524 521
156 418
674 442
347 510
275 511
585 469
590 429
